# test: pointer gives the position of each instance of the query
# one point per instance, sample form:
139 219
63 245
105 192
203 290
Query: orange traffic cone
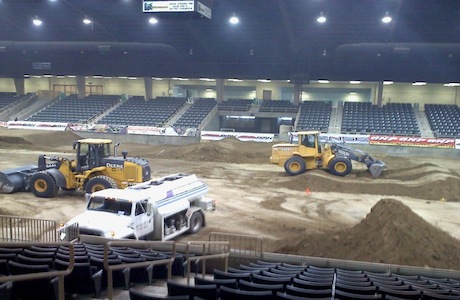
307 191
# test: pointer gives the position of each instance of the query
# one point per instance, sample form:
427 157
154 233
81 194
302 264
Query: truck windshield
119 207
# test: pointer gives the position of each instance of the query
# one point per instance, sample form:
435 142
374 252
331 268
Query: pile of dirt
228 150
391 233
428 185
37 139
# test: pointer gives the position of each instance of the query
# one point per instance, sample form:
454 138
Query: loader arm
375 166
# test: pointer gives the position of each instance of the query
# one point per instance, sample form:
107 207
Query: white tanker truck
154 210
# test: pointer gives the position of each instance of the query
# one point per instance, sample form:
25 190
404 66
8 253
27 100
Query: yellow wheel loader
94 168
309 154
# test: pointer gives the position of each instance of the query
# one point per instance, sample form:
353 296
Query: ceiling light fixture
37 21
387 18
321 18
153 20
233 19
87 21
387 82
323 81
355 81
419 83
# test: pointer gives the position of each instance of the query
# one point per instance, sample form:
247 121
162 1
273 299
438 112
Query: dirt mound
429 186
13 142
228 150
37 139
391 233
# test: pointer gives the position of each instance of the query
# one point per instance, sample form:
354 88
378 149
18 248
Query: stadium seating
136 111
392 118
314 115
196 113
74 110
235 105
278 106
444 119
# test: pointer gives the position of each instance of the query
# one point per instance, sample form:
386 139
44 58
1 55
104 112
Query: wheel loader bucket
13 180
376 168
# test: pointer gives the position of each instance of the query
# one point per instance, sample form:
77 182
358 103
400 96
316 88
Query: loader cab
309 143
90 152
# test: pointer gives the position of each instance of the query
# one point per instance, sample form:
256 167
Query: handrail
13 228
241 244
31 276
207 253
136 244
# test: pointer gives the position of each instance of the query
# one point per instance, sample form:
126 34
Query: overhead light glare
47 75
419 83
323 81
321 18
235 79
233 19
37 21
388 82
355 81
263 80
97 76
123 77
132 78
352 93
387 18
157 78
153 20
71 76
87 21
207 79
452 84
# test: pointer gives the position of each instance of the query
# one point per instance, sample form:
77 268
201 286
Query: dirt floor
408 216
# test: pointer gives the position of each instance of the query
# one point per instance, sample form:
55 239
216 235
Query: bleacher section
276 106
139 112
314 115
74 110
392 118
277 280
246 279
7 98
196 113
444 119
235 105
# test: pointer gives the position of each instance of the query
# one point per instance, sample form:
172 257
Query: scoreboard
202 7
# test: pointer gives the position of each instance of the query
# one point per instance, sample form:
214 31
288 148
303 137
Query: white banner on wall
242 136
53 126
337 138
3 124
457 144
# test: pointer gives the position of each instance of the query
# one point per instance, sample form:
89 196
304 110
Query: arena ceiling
275 39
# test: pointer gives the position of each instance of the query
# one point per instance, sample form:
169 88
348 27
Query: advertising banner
165 131
457 144
337 138
37 125
411 141
98 128
242 136
3 124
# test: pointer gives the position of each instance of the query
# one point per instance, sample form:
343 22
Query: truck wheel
42 184
100 182
340 166
196 222
295 165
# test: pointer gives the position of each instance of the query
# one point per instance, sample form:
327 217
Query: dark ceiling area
275 39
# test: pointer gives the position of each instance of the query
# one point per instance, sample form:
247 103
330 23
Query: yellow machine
309 154
93 169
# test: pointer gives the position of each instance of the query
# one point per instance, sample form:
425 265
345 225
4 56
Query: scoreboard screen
202 7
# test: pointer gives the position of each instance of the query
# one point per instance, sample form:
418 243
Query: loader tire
295 166
42 184
196 222
100 182
340 166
